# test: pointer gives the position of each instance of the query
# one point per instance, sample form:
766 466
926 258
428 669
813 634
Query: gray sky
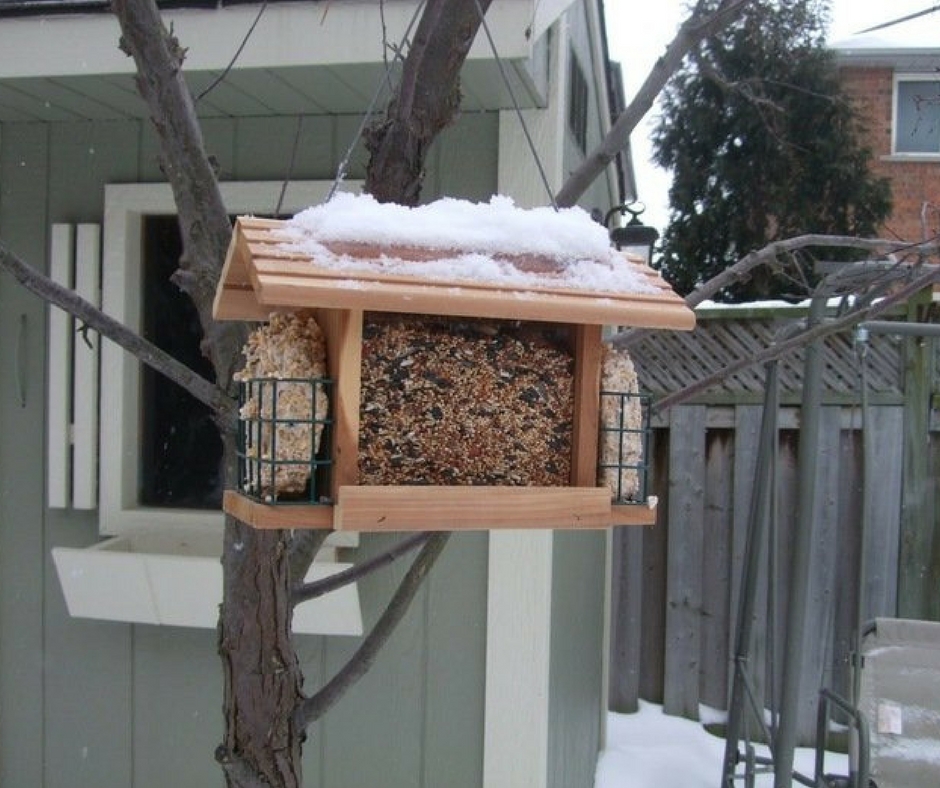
639 32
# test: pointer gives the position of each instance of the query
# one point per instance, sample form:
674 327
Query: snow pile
650 749
492 243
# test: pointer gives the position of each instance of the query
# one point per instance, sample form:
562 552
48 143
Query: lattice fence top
670 361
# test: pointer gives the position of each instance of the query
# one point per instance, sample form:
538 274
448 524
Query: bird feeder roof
447 258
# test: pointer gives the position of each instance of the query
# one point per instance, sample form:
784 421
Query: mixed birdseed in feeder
457 402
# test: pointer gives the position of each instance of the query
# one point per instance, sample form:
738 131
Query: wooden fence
677 585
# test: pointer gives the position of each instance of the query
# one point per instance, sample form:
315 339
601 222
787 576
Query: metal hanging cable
385 80
290 165
515 104
218 80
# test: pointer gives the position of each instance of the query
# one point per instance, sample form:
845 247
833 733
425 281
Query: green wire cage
624 440
284 440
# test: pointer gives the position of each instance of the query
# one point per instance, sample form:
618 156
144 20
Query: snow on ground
650 749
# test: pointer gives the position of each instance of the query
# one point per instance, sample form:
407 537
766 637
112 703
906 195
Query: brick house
894 78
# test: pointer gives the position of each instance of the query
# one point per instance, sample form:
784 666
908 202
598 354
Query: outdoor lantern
634 237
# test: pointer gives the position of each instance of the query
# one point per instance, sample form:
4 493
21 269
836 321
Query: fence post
918 573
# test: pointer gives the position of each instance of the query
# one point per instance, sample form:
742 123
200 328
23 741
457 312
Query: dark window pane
180 451
577 102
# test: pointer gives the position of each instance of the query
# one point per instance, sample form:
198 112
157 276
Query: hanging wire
386 79
290 165
515 104
218 80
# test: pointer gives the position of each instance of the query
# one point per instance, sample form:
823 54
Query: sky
639 32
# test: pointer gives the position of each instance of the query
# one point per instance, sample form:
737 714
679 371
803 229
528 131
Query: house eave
300 58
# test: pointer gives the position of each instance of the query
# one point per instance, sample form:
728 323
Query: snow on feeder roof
450 257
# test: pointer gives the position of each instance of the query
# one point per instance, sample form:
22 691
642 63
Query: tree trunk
262 676
427 99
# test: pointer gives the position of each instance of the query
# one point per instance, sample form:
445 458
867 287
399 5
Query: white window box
173 576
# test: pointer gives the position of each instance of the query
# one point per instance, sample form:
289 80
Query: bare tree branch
696 27
204 222
314 707
740 271
927 279
303 548
318 588
222 405
769 255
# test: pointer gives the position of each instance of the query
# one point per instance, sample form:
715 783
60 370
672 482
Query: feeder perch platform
344 281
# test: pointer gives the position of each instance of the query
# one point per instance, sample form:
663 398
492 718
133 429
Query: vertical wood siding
112 705
677 585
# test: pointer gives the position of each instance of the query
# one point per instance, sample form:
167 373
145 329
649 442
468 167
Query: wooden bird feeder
366 295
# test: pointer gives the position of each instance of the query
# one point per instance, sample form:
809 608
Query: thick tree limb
204 222
427 100
314 707
222 405
262 677
318 588
696 27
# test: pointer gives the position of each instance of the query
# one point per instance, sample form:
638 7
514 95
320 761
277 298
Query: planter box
174 577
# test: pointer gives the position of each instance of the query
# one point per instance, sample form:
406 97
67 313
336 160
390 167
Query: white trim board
125 207
287 35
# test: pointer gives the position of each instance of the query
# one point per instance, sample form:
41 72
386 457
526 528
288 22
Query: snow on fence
676 585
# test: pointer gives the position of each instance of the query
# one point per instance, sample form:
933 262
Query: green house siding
111 705
576 686
93 704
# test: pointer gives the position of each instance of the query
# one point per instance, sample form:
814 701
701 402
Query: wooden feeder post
265 275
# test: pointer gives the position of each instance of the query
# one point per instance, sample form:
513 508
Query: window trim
125 206
902 155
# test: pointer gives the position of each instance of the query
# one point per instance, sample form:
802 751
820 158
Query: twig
318 588
314 707
742 269
777 349
91 317
218 80
303 548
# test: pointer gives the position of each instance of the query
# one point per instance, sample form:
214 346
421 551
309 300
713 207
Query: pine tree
763 145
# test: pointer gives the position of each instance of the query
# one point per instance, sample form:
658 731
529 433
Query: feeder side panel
587 388
343 330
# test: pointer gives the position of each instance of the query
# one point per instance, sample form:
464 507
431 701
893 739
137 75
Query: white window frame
895 153
125 208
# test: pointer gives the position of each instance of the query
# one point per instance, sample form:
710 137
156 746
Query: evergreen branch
315 706
222 405
317 588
